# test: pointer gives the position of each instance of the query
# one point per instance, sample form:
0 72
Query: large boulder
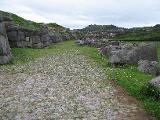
153 88
118 57
80 42
150 67
155 82
128 53
108 47
147 51
5 54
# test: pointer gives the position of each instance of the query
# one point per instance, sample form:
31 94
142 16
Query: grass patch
128 76
24 55
132 80
141 34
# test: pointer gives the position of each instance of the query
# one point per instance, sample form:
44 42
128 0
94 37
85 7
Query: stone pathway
62 87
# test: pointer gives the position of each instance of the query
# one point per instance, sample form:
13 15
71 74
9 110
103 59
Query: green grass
28 24
128 76
24 55
130 79
17 20
141 34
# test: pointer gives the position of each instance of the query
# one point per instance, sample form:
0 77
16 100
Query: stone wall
21 37
5 54
16 36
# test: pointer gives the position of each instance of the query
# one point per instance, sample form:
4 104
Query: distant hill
141 34
101 28
118 33
101 31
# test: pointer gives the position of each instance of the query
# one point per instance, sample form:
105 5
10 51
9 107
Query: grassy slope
19 21
128 77
26 23
141 34
98 28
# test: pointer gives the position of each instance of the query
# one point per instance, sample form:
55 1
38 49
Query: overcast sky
80 13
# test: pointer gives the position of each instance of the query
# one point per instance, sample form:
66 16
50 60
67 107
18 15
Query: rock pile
122 52
91 42
128 53
102 31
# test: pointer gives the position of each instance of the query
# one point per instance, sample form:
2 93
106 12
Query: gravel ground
61 87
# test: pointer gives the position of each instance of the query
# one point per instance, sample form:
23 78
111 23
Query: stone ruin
129 53
142 54
123 52
5 53
22 37
16 36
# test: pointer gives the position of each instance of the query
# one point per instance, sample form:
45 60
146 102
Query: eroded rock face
147 51
118 57
150 67
131 53
123 53
5 54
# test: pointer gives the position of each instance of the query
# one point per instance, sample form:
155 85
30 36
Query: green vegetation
54 25
141 34
133 81
19 21
124 34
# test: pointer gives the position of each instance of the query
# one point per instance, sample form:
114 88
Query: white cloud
79 13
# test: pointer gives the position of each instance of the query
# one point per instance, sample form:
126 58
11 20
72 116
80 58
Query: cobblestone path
63 86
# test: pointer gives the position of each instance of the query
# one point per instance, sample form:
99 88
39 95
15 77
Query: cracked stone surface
63 86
